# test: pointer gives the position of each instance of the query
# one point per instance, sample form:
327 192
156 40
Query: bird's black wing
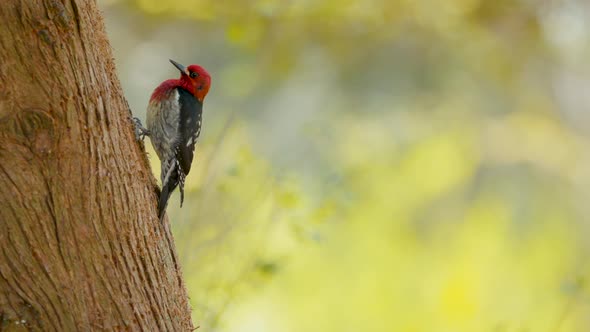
190 129
175 170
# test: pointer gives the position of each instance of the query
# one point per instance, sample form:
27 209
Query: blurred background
377 165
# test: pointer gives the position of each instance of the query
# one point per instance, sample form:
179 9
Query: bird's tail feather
163 202
169 183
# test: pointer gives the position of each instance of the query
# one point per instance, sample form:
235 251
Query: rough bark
81 247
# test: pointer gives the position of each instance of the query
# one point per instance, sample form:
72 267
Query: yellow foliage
379 165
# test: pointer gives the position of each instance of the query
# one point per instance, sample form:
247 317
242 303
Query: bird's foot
140 131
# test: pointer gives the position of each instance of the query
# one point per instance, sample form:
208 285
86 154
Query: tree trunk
81 247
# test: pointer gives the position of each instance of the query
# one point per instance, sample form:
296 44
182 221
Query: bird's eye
193 74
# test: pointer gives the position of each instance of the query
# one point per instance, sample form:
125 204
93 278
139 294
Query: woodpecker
174 124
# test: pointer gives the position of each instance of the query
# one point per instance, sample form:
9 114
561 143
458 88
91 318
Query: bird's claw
140 131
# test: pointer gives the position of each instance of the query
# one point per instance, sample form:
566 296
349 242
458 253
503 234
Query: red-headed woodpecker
174 124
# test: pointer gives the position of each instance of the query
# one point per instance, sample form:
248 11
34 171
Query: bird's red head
195 79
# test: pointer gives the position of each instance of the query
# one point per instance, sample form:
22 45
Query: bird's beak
179 66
